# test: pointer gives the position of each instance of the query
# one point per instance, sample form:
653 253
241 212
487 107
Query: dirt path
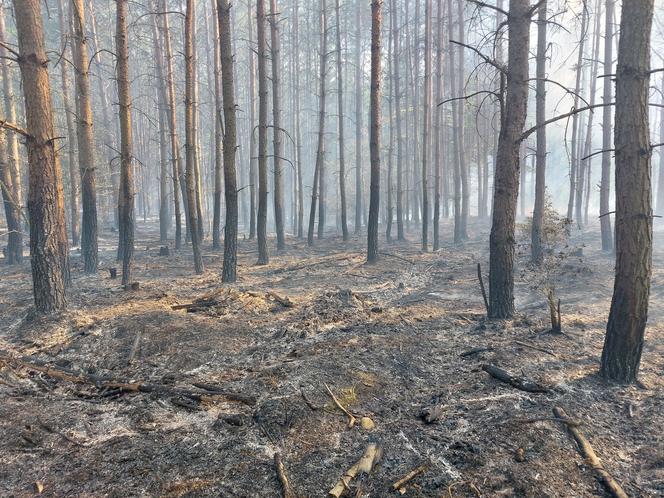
388 341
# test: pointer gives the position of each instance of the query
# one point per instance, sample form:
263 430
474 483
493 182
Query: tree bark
263 255
660 176
506 189
85 139
438 130
629 307
126 197
536 249
253 161
190 134
342 156
276 126
218 131
605 185
374 130
48 238
426 124
461 232
396 33
358 118
229 272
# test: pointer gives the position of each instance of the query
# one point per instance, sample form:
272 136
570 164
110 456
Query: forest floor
389 340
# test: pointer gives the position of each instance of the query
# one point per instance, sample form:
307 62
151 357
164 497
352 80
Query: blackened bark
374 131
276 126
629 307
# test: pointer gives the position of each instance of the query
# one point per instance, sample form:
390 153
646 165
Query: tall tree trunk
172 125
456 174
263 255
426 124
48 238
397 110
462 231
218 131
575 119
660 176
74 222
320 150
389 210
501 265
605 185
374 130
322 185
437 128
229 272
253 161
298 134
126 197
358 118
190 134
629 307
85 140
340 100
276 126
10 174
536 249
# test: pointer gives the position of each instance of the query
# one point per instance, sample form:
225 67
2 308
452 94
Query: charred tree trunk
253 159
437 128
322 186
342 156
85 138
263 255
48 238
298 134
536 249
126 197
358 118
374 130
426 125
218 131
605 185
320 150
461 233
397 117
190 135
276 127
172 125
10 174
229 272
506 189
629 307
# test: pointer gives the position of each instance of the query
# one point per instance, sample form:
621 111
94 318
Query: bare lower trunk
263 255
501 269
253 160
342 156
358 119
48 238
426 125
126 197
461 232
629 307
605 185
276 126
374 129
218 132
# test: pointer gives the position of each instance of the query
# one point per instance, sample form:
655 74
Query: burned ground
389 340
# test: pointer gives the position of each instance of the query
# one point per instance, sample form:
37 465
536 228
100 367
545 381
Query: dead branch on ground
410 476
351 417
522 383
283 478
372 455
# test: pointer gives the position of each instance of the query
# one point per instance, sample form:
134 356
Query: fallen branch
372 455
568 421
197 305
283 478
474 351
351 418
396 257
408 477
108 384
284 301
521 383
588 453
536 348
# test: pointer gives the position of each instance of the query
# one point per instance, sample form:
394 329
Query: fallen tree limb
474 351
568 421
536 348
522 383
609 483
351 417
408 477
108 384
282 300
479 277
283 478
372 455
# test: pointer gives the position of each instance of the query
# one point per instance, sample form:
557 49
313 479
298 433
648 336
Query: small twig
351 418
568 421
479 277
283 478
408 477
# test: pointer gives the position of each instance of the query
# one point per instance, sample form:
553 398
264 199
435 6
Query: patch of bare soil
185 387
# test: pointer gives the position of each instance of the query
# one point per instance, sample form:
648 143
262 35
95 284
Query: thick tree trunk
276 126
85 138
48 238
126 197
506 189
172 125
629 307
263 254
536 249
320 150
229 272
605 185
190 134
374 130
342 156
10 174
